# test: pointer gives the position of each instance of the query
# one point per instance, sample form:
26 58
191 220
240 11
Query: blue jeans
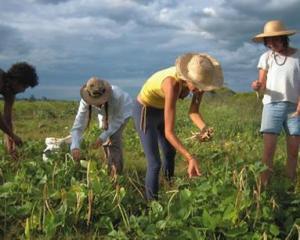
278 115
152 137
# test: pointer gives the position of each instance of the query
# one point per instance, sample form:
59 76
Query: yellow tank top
151 93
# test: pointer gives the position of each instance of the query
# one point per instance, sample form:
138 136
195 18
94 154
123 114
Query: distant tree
32 98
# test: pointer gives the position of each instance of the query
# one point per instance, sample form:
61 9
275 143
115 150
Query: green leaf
6 189
161 224
208 221
230 213
185 194
236 232
25 209
50 225
274 230
156 207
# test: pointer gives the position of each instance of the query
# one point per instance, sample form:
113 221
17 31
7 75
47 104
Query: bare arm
171 89
4 127
6 119
260 84
298 107
8 104
194 112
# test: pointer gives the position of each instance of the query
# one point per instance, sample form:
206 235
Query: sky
125 41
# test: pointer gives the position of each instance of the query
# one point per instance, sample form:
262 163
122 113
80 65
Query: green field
61 199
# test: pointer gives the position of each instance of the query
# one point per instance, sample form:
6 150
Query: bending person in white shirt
114 108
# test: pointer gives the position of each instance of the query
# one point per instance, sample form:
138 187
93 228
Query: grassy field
61 199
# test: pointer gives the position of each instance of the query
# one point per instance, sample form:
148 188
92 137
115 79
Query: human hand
76 154
98 143
10 146
296 113
204 135
17 140
13 152
256 85
193 169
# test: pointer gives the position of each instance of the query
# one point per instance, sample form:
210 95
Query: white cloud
210 12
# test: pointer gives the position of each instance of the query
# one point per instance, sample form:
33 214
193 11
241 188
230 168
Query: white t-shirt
283 77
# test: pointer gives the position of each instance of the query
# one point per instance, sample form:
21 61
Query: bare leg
292 156
270 141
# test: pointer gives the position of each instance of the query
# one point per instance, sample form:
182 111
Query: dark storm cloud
266 10
125 41
51 1
232 26
144 2
12 41
238 21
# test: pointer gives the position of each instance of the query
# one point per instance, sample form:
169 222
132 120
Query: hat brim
217 81
96 100
260 37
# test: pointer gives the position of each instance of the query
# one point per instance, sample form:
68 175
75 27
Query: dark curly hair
23 73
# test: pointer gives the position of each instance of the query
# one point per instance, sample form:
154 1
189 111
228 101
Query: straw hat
273 28
201 69
96 91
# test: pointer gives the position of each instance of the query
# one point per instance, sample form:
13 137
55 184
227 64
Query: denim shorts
278 115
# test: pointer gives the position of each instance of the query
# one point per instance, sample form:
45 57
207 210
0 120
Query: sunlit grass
61 199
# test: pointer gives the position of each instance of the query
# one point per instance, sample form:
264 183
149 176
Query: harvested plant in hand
204 135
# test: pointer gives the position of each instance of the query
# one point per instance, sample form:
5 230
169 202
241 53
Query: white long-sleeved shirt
120 107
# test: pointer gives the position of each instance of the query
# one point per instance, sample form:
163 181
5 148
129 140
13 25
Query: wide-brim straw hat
201 69
96 91
272 29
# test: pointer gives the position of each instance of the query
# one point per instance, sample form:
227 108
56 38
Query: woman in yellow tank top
155 109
